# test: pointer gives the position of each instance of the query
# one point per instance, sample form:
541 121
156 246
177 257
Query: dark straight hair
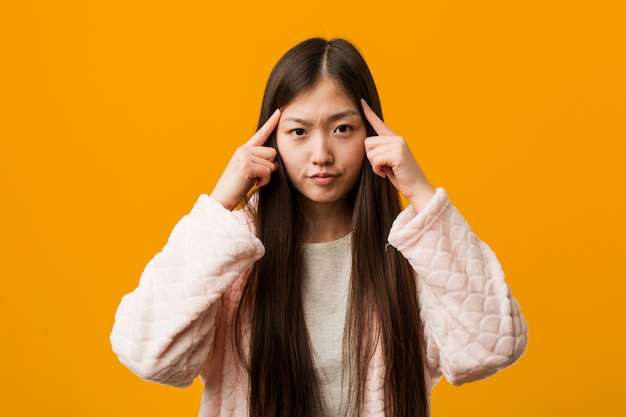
382 305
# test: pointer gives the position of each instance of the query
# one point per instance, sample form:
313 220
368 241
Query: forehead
325 96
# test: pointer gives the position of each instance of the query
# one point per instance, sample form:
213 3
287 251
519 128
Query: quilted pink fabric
176 324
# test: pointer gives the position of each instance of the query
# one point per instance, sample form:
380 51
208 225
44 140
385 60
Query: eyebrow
332 118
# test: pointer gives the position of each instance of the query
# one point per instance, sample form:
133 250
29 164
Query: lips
323 178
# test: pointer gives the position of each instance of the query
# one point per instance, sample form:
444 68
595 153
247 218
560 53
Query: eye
298 131
343 129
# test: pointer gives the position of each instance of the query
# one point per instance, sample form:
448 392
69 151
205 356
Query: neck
326 221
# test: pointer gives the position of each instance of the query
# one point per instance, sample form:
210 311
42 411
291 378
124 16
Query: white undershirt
326 274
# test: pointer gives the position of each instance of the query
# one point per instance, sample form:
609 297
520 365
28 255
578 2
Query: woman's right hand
252 163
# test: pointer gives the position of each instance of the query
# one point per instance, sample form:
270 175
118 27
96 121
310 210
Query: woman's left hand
390 157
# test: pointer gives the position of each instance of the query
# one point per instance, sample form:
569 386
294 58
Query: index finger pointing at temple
379 126
261 135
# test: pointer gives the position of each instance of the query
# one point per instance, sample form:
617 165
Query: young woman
321 297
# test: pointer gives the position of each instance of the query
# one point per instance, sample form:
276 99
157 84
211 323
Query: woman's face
320 138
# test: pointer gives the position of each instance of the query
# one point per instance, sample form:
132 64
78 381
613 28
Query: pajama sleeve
473 326
164 329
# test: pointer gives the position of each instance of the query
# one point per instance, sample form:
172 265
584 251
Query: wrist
225 202
421 196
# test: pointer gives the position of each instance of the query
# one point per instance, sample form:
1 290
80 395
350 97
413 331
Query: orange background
115 115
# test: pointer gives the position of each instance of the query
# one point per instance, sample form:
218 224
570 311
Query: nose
321 152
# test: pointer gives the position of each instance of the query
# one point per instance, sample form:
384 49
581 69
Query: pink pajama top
177 324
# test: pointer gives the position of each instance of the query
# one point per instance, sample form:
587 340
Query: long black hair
382 309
